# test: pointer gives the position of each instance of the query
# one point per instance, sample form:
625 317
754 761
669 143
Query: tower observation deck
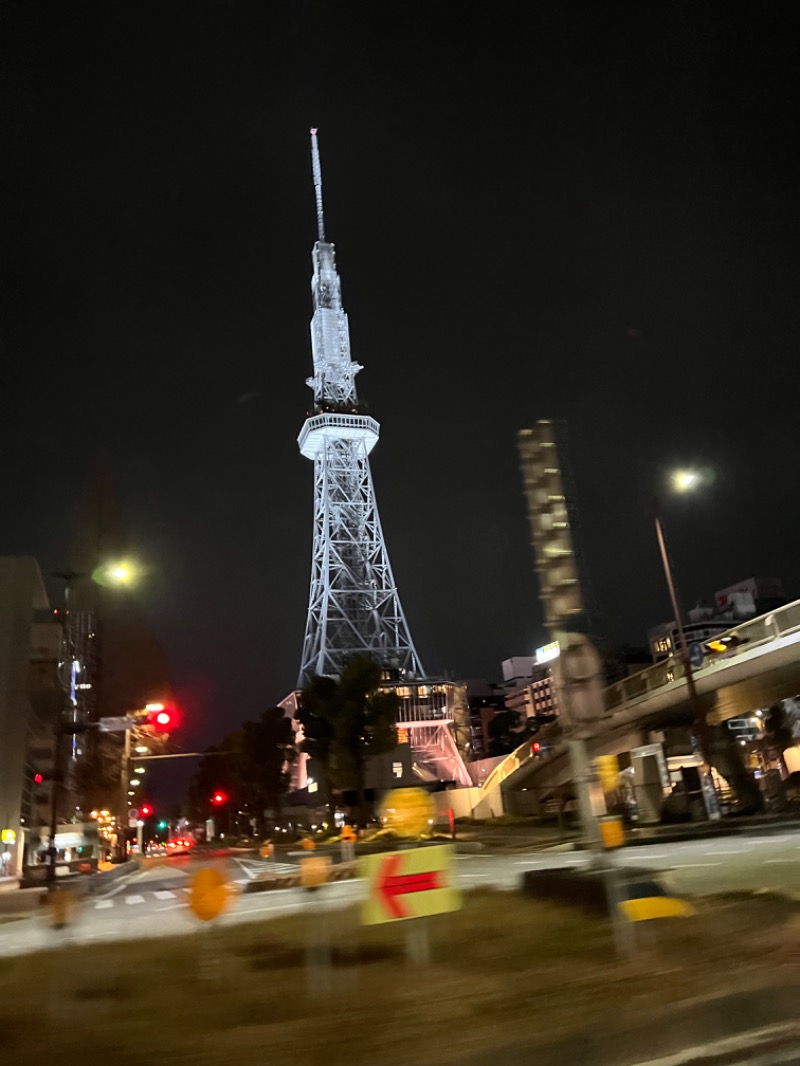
353 606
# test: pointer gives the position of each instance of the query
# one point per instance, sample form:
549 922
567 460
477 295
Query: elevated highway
761 667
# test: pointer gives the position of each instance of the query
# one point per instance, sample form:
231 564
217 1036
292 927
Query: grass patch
505 971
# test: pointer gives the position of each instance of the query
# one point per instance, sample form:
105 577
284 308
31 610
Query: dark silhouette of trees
251 766
347 721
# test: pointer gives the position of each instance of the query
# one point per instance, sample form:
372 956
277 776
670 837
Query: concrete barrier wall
461 801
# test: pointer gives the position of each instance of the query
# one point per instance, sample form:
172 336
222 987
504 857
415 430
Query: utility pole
58 776
122 821
702 731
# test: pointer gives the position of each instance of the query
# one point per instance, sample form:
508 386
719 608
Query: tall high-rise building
353 608
550 522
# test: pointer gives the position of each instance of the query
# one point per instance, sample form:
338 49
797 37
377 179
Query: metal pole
122 827
683 650
662 544
58 773
582 776
698 712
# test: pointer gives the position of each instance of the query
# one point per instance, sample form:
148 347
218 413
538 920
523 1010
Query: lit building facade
31 698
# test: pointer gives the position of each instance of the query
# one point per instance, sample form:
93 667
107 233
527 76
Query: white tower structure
353 607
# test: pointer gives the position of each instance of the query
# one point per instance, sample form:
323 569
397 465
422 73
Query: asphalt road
154 902
747 862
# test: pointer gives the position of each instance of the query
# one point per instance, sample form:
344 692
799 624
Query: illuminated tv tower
353 606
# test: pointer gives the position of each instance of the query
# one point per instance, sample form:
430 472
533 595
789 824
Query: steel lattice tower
353 607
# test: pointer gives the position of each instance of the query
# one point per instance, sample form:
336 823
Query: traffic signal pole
58 776
122 821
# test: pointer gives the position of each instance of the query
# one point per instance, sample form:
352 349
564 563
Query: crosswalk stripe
134 899
101 903
164 894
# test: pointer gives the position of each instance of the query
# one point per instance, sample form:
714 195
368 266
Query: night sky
543 210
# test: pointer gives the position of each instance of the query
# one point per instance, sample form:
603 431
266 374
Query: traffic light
219 797
161 717
163 824
145 810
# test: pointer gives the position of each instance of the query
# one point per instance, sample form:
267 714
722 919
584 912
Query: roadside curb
672 837
110 877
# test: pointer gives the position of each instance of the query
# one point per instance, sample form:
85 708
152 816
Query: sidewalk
514 837
757 823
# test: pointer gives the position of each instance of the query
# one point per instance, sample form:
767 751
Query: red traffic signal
38 778
145 810
219 798
161 717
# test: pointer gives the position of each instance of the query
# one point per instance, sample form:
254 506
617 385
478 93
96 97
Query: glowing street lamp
119 572
684 480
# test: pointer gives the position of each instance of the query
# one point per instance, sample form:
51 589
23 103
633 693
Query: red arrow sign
390 885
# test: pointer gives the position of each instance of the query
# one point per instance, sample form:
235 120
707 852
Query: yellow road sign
646 908
61 905
409 811
409 884
208 894
314 871
611 832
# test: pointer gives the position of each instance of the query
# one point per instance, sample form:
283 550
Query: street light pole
122 826
58 775
683 649
698 711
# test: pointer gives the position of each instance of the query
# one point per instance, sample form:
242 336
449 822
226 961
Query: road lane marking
241 863
164 894
102 903
780 860
694 866
134 899
119 887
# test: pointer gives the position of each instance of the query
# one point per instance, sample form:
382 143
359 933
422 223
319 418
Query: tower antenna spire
316 170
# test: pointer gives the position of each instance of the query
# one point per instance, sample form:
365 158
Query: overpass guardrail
754 633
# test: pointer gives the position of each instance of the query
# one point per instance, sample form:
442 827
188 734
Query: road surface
154 902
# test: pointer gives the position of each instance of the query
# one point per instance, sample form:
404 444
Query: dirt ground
527 980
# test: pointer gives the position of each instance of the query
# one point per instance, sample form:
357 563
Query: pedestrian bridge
761 667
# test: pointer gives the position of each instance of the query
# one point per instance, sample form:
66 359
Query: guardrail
754 633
